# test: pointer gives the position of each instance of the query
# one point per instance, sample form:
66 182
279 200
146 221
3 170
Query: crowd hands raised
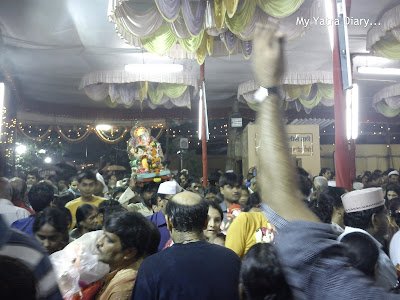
231 238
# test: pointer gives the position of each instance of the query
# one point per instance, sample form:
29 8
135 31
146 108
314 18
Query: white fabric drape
290 78
247 89
390 94
119 76
389 21
123 87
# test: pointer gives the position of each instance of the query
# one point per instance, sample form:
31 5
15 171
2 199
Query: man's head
41 195
87 184
74 184
147 191
125 239
211 193
320 182
375 180
19 188
230 187
365 209
326 172
194 185
62 185
393 176
187 212
165 191
362 252
5 188
108 208
32 177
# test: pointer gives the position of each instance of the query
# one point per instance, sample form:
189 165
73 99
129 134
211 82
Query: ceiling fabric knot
307 91
124 88
170 26
387 101
384 37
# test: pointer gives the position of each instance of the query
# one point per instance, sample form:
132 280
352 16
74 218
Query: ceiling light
42 151
103 127
378 71
1 103
172 68
20 149
47 160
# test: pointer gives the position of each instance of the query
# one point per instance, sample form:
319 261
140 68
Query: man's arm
277 171
129 193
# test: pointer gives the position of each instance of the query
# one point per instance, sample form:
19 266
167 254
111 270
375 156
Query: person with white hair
320 182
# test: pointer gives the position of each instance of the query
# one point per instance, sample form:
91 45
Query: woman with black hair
50 229
261 275
215 216
86 220
392 191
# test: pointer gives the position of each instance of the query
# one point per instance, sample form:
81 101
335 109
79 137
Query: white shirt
11 213
394 249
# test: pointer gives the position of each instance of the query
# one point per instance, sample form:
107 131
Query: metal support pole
342 160
203 131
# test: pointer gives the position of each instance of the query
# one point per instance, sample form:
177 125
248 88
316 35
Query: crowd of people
278 234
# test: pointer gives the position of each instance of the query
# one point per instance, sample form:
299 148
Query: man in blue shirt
40 197
192 268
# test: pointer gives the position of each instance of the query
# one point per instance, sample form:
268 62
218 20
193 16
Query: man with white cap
365 212
393 177
165 191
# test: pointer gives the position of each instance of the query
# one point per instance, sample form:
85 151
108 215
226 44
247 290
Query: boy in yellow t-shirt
87 183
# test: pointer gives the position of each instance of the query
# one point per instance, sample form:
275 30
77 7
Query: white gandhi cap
363 199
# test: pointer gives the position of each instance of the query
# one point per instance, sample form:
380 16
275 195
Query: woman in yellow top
249 228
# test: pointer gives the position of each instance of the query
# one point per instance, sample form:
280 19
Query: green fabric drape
171 90
300 91
253 106
388 49
312 102
193 43
294 91
326 90
231 7
163 39
281 8
242 18
219 13
160 42
386 110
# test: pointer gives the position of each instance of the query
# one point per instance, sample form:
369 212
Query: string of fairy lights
216 133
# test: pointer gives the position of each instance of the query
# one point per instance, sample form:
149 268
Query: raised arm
277 180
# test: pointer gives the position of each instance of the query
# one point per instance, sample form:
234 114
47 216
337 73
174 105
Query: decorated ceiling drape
217 28
306 90
384 37
124 88
387 101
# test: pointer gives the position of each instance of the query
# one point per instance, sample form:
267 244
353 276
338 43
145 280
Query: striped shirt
24 248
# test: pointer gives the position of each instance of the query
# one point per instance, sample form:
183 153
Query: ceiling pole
203 129
342 159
